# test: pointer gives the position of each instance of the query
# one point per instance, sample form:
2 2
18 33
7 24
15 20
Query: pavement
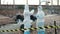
49 20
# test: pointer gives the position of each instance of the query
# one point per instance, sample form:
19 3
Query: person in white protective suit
40 20
27 21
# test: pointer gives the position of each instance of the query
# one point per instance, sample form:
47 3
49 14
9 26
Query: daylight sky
30 2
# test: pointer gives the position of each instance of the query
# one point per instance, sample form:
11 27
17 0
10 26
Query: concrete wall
9 10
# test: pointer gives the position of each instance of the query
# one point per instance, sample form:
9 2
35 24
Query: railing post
55 28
